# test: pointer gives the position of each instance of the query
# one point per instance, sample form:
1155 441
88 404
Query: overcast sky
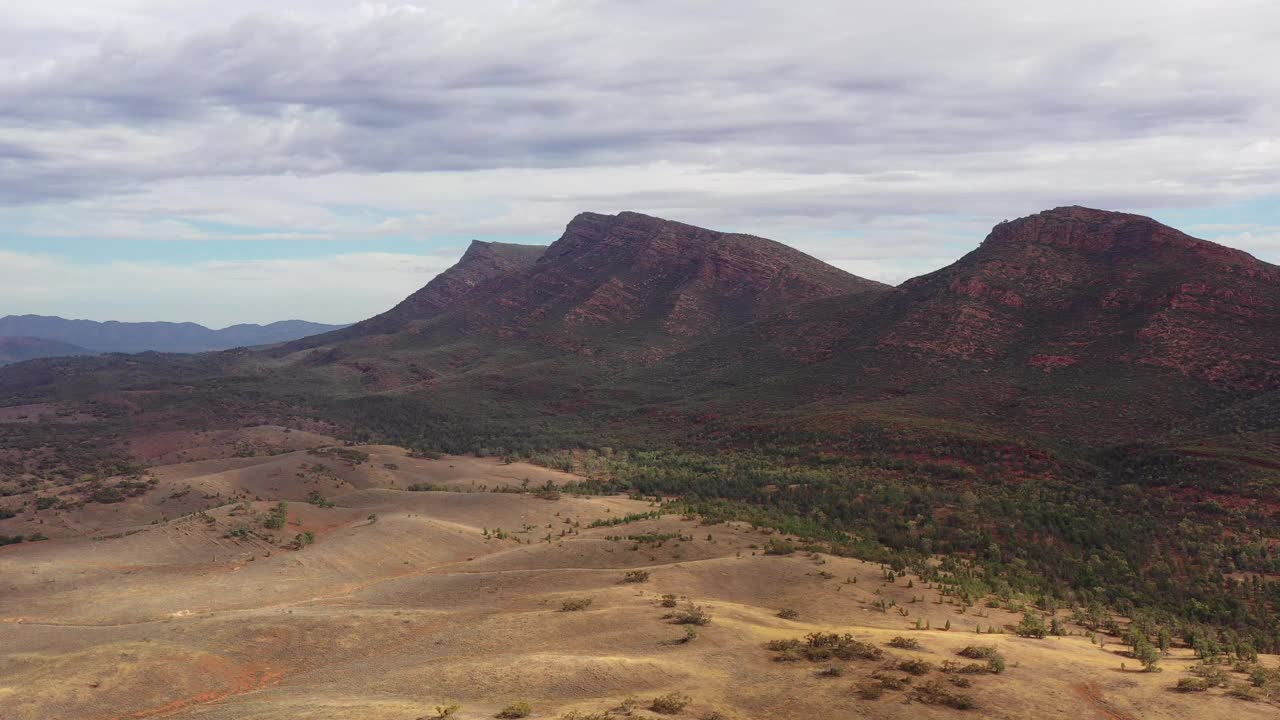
217 162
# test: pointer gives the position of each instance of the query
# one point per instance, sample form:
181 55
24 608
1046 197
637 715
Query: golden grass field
407 600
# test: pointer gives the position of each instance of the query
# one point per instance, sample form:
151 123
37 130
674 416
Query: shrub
960 682
315 498
670 704
903 643
1243 692
44 502
1192 685
820 647
575 604
1212 674
788 614
516 710
669 601
445 711
692 615
915 667
833 671
935 693
779 547
891 682
636 576
979 652
870 690
302 540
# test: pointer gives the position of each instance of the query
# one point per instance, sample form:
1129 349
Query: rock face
1075 285
634 278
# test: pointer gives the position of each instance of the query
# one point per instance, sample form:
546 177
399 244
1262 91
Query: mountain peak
1074 283
632 276
483 267
1118 235
486 249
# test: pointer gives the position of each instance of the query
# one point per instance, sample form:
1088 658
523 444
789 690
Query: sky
236 161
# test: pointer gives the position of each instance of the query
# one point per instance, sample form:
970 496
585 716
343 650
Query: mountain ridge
159 336
17 348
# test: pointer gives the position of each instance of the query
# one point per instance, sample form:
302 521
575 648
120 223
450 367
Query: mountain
133 337
626 287
18 349
1074 285
632 280
480 269
1081 324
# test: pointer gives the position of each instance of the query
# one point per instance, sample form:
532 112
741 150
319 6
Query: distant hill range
80 337
17 349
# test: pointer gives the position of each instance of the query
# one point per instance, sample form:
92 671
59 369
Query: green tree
1146 653
1032 625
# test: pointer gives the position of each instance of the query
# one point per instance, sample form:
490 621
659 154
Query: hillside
134 337
18 349
193 599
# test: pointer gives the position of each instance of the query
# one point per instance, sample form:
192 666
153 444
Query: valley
159 606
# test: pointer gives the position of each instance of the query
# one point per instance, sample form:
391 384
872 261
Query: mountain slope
479 271
1077 323
1074 285
133 337
18 349
649 286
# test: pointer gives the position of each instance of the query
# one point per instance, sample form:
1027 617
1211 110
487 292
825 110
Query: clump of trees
302 540
821 647
276 516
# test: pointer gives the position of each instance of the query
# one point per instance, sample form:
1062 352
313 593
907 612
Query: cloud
851 88
819 123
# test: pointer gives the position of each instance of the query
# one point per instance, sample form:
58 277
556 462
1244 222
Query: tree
1146 653
1032 625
